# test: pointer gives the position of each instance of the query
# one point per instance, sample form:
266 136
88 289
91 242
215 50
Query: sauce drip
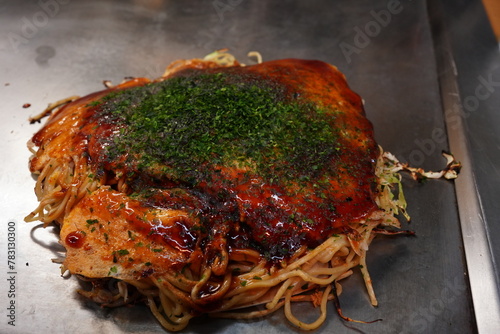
75 239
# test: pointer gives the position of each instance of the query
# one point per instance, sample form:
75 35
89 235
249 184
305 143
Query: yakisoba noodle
192 239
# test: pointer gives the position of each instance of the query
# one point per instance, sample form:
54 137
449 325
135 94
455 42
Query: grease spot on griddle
44 53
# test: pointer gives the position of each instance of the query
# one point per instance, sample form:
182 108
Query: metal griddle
428 73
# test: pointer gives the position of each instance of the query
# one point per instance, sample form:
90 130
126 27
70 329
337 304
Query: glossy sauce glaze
275 206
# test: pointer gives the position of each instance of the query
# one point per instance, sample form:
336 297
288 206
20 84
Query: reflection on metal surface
480 265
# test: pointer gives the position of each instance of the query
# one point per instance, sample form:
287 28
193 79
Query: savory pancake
216 187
